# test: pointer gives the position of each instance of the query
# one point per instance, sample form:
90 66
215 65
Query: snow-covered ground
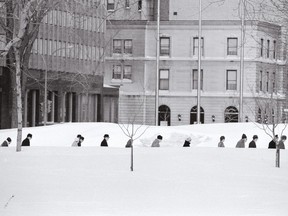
53 178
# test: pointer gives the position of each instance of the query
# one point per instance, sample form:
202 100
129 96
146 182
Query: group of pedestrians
25 142
241 143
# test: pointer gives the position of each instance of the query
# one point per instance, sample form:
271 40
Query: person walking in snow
281 144
6 142
129 144
26 141
252 144
156 142
272 143
81 140
76 141
221 143
187 142
241 142
104 141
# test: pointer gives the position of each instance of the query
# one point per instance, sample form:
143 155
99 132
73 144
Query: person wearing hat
104 141
6 142
272 143
187 142
281 142
156 142
221 143
76 141
241 142
26 141
252 144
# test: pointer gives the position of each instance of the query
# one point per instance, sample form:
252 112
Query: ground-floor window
231 114
193 115
164 114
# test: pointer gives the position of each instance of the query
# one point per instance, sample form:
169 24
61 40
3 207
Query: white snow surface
52 178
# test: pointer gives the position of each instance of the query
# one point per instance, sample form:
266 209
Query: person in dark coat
81 140
156 142
221 143
272 143
129 143
241 143
252 144
76 141
6 142
187 142
26 141
104 141
281 144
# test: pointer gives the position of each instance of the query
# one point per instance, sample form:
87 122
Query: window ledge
119 81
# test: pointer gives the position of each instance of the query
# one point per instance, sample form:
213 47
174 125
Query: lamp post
199 61
157 64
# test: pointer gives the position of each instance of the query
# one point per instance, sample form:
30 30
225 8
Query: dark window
195 79
267 82
274 49
139 5
127 3
231 114
232 46
164 46
164 79
164 115
261 47
110 5
274 82
231 80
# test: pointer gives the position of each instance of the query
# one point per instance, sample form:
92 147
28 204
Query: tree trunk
131 167
19 98
277 157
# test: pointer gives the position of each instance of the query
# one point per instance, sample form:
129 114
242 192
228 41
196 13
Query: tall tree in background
20 21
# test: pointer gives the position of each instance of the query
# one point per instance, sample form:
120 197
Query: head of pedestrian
276 137
9 140
222 138
255 137
244 137
29 136
81 139
106 136
283 138
159 137
188 139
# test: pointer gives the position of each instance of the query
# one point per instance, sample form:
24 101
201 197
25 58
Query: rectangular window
117 46
164 46
231 80
195 79
127 72
164 79
139 5
127 3
261 47
117 72
128 46
267 82
232 46
261 81
195 46
268 48
110 5
274 49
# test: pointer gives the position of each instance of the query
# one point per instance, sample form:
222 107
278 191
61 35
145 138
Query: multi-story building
68 61
131 63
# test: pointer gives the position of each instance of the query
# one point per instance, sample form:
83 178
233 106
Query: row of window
125 72
77 21
124 46
164 117
67 49
111 5
268 49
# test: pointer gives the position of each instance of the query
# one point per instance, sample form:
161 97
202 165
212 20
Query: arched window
231 114
193 115
164 115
